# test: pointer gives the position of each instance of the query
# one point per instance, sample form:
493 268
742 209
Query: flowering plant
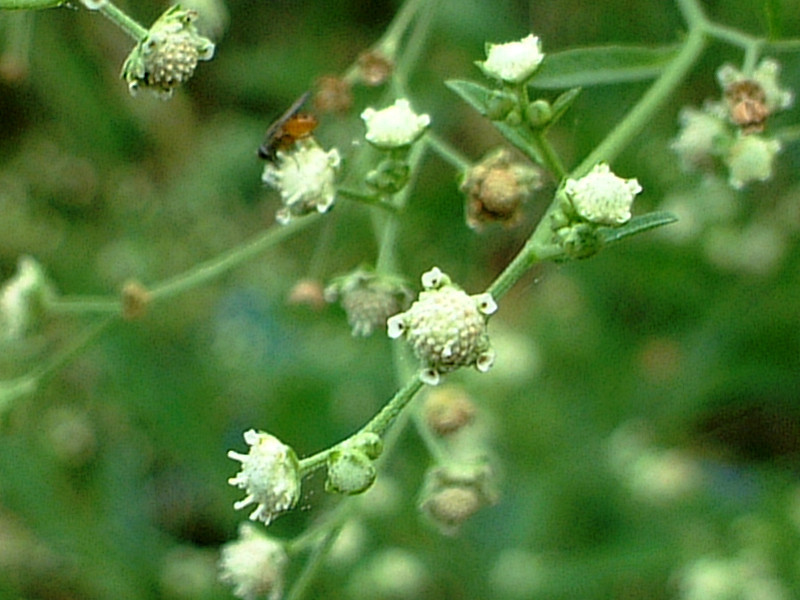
333 287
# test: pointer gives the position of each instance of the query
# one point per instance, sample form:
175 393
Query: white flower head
601 197
514 62
446 327
254 565
701 136
396 126
751 159
305 177
21 299
270 476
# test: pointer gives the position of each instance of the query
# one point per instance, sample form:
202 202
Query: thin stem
552 161
219 265
651 102
380 423
66 305
316 560
29 4
62 358
123 21
446 151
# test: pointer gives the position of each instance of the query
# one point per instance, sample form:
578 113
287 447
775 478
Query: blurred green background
644 409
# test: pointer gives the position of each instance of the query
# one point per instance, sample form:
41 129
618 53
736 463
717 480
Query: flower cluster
730 130
305 175
270 476
446 327
167 56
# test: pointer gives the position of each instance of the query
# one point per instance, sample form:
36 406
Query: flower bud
513 62
750 159
389 177
539 113
446 327
579 240
447 410
350 466
368 298
753 98
254 565
333 95
496 188
601 197
270 476
452 494
396 126
135 300
168 54
374 67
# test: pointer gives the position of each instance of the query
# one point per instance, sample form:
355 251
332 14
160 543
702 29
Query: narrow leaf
483 99
601 65
636 225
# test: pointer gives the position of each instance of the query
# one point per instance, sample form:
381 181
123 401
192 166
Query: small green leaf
562 104
636 225
477 96
602 65
481 99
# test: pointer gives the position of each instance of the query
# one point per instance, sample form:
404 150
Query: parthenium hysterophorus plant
525 94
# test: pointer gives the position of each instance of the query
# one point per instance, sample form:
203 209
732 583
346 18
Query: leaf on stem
636 225
583 67
484 100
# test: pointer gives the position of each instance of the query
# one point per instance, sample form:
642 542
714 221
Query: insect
287 129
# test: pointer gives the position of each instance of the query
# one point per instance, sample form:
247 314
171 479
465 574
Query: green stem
316 560
84 305
380 423
551 159
29 4
447 151
219 265
123 21
650 103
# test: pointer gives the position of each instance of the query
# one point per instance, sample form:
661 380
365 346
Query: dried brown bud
333 95
447 410
496 188
747 105
135 300
375 68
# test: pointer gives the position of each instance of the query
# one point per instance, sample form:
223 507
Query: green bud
539 113
350 468
389 177
350 471
498 106
580 240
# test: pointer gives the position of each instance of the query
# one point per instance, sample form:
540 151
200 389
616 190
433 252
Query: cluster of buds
730 130
446 327
168 54
305 175
368 298
497 187
598 199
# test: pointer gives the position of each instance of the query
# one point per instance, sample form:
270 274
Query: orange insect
287 129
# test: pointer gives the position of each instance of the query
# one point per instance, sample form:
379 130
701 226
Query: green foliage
642 408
